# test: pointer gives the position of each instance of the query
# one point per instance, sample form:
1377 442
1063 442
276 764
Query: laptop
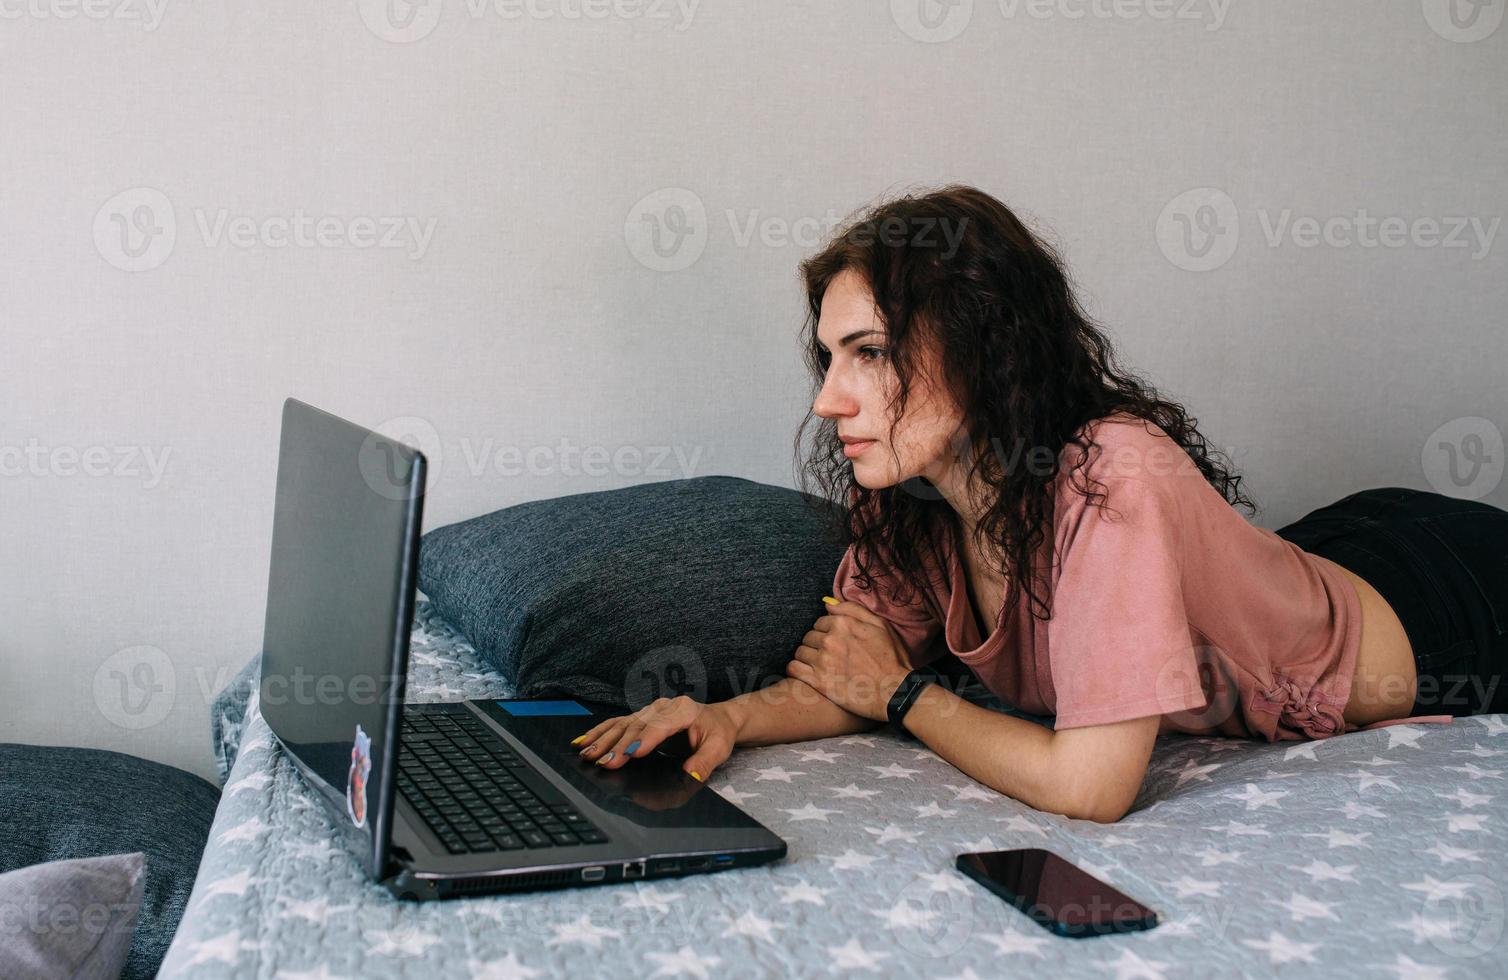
452 799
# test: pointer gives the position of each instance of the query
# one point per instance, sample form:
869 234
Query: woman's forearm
1010 755
790 711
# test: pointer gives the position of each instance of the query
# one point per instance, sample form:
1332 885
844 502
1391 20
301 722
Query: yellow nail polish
830 600
578 739
696 775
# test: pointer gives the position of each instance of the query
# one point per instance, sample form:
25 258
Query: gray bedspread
1379 853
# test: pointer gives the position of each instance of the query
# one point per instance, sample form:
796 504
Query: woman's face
858 385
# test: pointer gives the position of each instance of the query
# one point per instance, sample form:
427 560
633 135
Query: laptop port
633 869
696 864
723 860
667 867
596 873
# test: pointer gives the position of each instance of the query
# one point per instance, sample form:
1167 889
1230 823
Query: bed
1382 852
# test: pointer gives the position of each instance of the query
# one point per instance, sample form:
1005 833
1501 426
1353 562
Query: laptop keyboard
476 794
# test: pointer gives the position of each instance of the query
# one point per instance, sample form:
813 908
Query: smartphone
1055 894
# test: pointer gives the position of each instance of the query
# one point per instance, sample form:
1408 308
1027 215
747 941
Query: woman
1072 540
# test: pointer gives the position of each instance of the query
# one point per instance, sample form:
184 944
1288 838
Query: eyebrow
851 338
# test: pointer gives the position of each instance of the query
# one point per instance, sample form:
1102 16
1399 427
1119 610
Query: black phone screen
1056 894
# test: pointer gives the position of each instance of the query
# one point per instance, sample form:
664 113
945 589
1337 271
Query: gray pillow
70 918
702 586
62 802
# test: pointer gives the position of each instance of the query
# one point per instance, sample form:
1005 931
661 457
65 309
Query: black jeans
1442 564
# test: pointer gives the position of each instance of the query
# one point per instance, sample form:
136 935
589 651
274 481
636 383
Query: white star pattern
1406 735
1495 724
1324 871
250 830
1481 751
750 924
973 791
314 909
1301 908
853 792
853 956
583 931
1435 890
1129 966
222 949
802 892
818 755
931 809
1303 750
810 812
1457 822
904 915
944 881
734 796
254 780
1192 772
777 773
1336 837
1280 949
890 832
1255 798
1210 858
1465 797
1016 942
1016 823
683 962
1471 769
1407 969
1186 886
409 942
893 771
851 860
1366 780
1352 810
235 884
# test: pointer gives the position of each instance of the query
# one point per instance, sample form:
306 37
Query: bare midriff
1385 682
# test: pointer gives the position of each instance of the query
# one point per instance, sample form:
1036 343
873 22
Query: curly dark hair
1020 357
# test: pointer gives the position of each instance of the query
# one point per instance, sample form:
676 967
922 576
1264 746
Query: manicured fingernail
696 775
830 600
577 739
588 749
632 748
606 758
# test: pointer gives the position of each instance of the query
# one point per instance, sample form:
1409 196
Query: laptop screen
340 593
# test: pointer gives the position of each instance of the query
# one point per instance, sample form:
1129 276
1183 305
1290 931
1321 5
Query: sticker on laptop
356 779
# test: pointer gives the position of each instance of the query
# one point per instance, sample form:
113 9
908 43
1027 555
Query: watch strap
904 697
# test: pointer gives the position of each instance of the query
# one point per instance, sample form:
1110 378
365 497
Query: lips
853 447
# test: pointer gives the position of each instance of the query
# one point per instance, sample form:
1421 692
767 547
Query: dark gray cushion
702 586
58 803
70 918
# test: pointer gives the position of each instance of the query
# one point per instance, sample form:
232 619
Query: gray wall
1189 166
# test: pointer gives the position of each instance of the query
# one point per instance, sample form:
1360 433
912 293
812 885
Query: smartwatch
904 697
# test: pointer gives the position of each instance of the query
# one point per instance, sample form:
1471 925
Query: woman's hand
711 728
854 658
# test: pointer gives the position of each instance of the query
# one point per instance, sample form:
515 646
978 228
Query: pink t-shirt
1166 602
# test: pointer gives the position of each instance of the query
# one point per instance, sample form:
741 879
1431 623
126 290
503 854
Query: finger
823 624
803 672
856 610
712 750
605 739
807 655
622 749
591 734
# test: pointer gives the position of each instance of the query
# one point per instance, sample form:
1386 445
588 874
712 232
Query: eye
879 352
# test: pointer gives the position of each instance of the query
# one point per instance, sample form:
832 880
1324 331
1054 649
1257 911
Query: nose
832 400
